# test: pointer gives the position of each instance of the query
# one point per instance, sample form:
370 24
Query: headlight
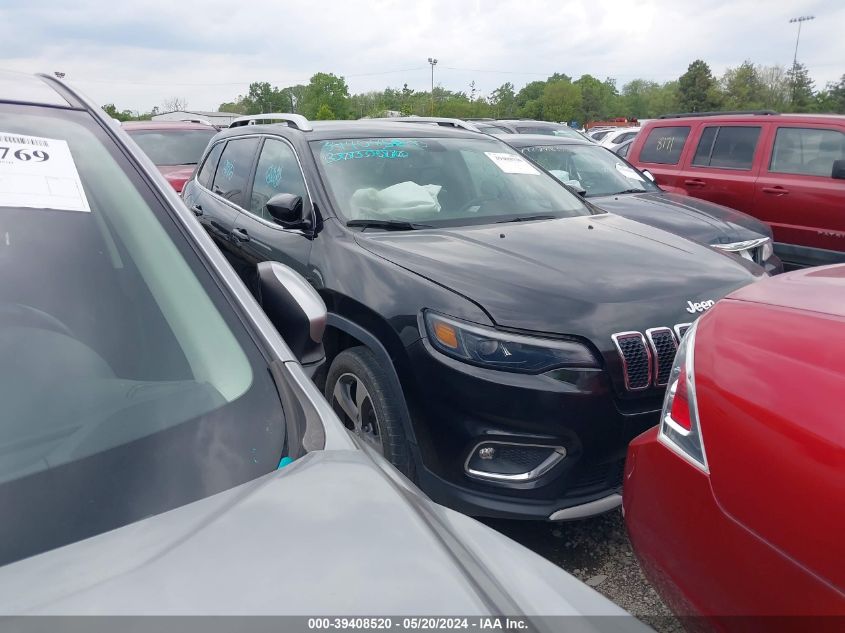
501 350
767 251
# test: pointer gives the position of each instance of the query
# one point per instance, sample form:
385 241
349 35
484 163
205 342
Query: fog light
511 462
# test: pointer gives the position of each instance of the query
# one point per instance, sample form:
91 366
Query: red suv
735 503
785 169
173 146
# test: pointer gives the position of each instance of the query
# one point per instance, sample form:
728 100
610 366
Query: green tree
326 89
262 97
743 88
832 98
598 99
235 107
528 100
801 95
561 100
697 89
775 88
291 98
122 115
324 113
503 101
635 98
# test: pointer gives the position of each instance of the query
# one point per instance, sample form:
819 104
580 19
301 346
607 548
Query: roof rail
293 120
444 121
678 115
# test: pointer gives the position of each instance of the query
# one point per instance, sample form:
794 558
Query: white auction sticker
39 173
511 163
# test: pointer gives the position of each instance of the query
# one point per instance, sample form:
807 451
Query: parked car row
416 201
615 185
734 502
467 340
786 170
164 449
492 318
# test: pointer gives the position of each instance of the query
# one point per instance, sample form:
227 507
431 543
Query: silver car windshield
594 169
438 181
128 383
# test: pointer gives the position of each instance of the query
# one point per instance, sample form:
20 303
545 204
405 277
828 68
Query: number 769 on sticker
24 155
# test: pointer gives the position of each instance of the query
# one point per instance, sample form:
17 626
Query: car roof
18 87
532 122
530 140
328 130
820 289
744 118
166 125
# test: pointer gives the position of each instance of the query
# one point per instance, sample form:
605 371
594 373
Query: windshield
128 384
550 130
491 129
594 169
173 147
438 181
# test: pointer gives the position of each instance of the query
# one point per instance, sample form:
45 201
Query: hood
689 217
331 534
177 175
585 276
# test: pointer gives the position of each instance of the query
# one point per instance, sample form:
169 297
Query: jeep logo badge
701 306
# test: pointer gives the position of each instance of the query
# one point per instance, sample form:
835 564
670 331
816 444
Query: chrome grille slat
681 329
647 359
663 349
636 359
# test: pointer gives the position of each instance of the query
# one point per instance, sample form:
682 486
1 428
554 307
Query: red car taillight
679 424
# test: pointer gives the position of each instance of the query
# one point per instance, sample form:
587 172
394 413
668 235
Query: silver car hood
333 533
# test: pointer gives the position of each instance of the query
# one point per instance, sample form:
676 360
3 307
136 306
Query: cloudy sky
138 53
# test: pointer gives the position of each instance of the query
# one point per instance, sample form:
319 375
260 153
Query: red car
173 146
735 502
785 169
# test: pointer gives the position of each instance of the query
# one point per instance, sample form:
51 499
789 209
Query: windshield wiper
528 218
619 193
388 225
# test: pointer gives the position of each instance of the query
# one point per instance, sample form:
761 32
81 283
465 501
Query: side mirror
287 209
647 174
838 170
296 310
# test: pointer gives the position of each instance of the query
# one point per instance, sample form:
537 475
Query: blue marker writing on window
273 176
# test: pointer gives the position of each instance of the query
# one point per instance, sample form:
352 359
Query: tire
380 426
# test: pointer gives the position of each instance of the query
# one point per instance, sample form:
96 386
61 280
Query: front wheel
364 399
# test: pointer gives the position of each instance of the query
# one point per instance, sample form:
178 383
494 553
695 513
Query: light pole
799 20
433 63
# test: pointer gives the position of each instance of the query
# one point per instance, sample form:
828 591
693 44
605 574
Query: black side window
210 164
727 147
233 170
277 172
664 145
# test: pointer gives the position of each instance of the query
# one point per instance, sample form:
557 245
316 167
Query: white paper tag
39 173
628 172
511 163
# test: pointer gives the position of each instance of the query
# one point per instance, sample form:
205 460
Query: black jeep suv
494 335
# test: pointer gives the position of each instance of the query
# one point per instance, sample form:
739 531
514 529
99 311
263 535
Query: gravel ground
598 552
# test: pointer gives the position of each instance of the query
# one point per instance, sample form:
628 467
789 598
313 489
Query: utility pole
799 20
433 63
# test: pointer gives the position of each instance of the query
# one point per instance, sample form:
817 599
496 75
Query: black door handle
197 209
240 235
